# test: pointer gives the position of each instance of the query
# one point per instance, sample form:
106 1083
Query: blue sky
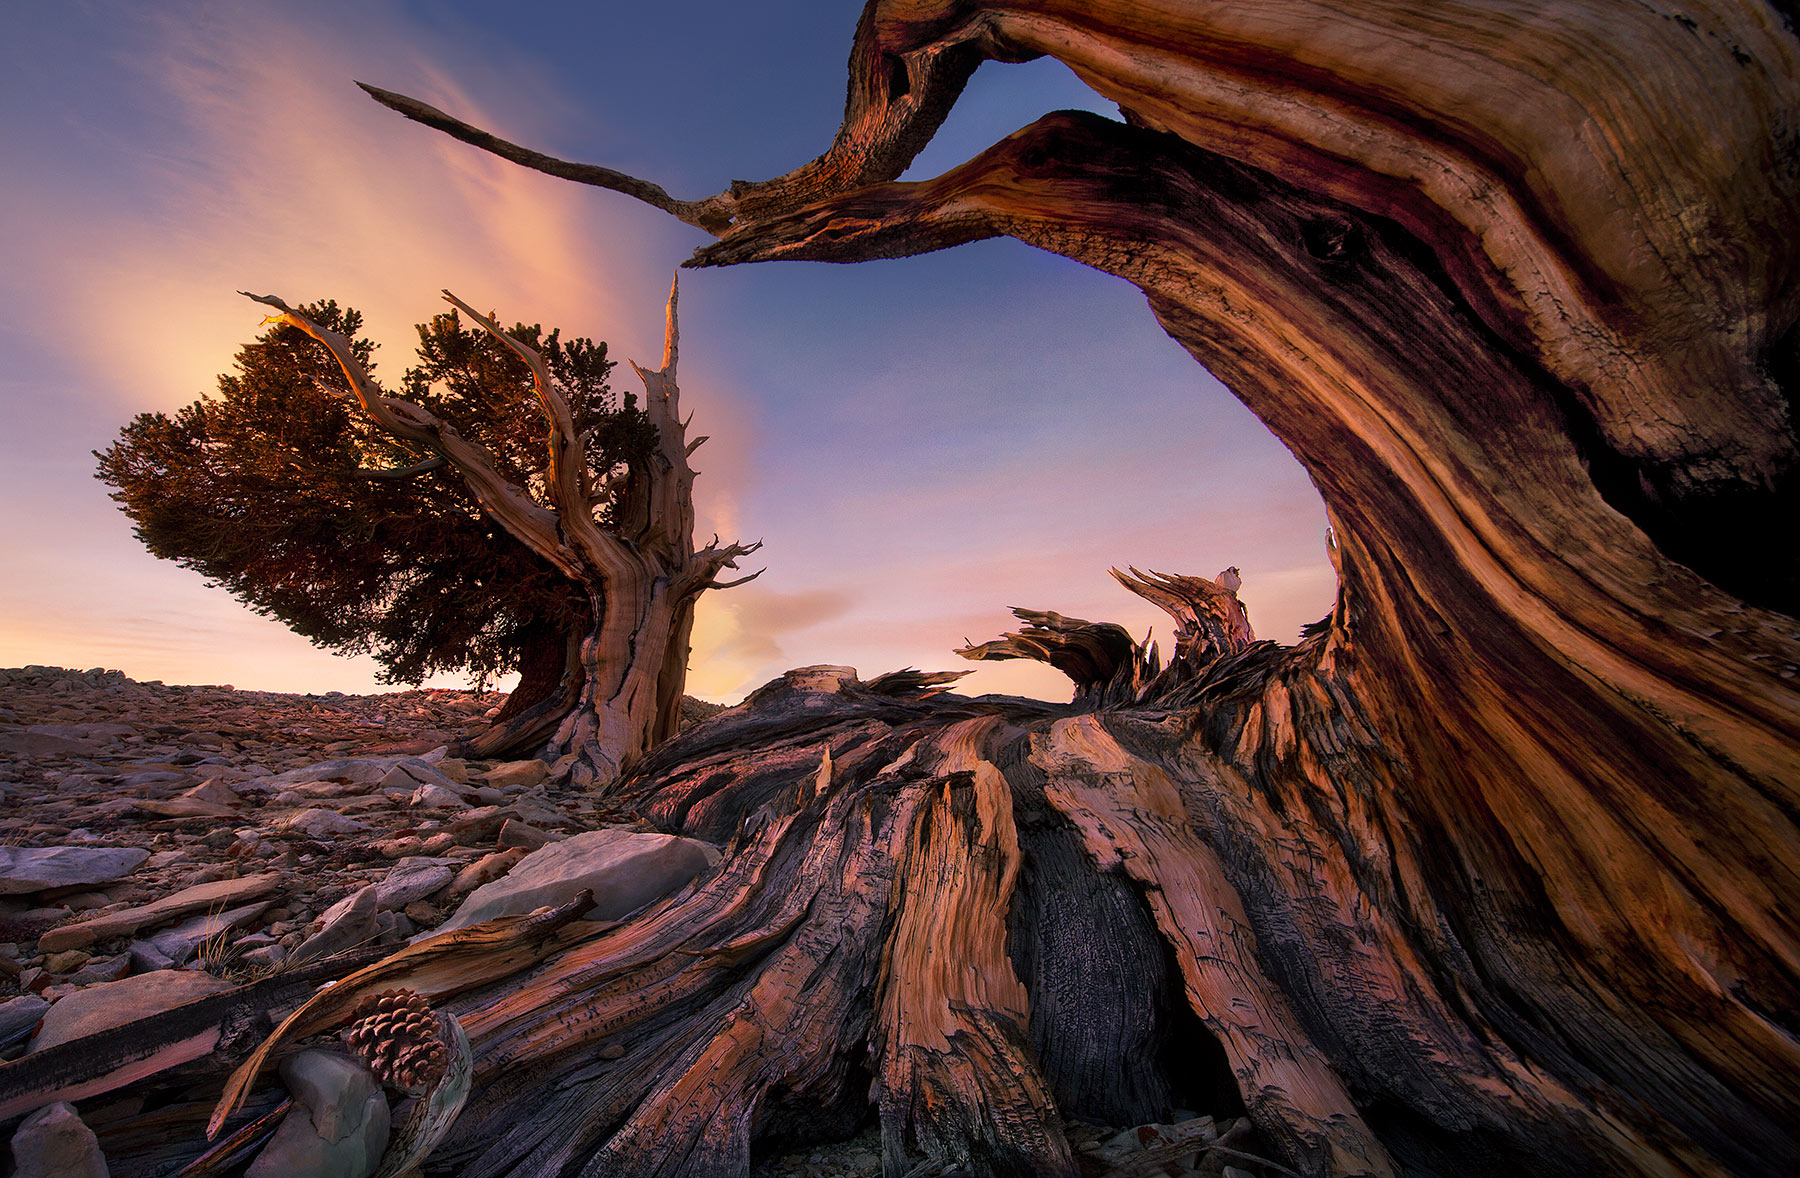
921 444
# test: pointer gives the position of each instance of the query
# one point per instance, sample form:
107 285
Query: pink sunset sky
920 444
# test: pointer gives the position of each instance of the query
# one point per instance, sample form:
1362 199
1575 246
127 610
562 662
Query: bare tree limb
704 566
703 214
669 506
737 582
531 524
435 462
568 458
899 95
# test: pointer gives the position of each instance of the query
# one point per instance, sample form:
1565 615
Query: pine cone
397 1033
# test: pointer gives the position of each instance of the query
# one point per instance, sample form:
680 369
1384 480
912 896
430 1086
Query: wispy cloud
280 176
741 635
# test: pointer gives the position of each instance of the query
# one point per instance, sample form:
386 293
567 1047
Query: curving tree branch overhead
1592 208
1497 872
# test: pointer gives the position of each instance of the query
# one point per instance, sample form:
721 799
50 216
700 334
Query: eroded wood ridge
956 1071
1136 823
716 1002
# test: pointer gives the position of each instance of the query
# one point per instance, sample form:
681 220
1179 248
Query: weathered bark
1515 833
1495 872
620 692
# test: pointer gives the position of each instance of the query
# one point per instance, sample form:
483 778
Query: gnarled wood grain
1497 871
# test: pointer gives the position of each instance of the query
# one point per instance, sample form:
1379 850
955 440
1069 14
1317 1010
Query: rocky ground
217 784
160 843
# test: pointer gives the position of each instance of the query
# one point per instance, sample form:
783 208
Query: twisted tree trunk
620 690
1493 873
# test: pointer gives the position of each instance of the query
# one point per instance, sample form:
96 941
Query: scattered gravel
332 792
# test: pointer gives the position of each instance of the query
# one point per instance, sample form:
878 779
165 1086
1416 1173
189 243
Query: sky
920 444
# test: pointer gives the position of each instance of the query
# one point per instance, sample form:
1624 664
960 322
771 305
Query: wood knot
1333 239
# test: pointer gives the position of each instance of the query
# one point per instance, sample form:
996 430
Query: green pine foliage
272 488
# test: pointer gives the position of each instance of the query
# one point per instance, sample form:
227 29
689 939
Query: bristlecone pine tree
279 490
623 537
1493 874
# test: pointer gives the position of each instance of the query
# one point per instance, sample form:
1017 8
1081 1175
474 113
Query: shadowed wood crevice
549 687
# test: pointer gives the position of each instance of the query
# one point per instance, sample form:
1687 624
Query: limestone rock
484 870
338 1127
42 744
182 807
215 790
624 869
125 923
514 833
391 928
36 869
184 940
320 824
68 961
410 774
102 969
97 732
348 923
366 770
209 799
412 880
113 1004
53 1142
517 773
265 956
437 797
19 1016
478 826
341 769
147 958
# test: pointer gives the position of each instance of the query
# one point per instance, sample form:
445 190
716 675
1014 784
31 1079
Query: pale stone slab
411 881
320 823
437 797
624 869
185 939
38 869
218 894
517 773
19 1016
54 1142
338 1127
42 744
344 925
